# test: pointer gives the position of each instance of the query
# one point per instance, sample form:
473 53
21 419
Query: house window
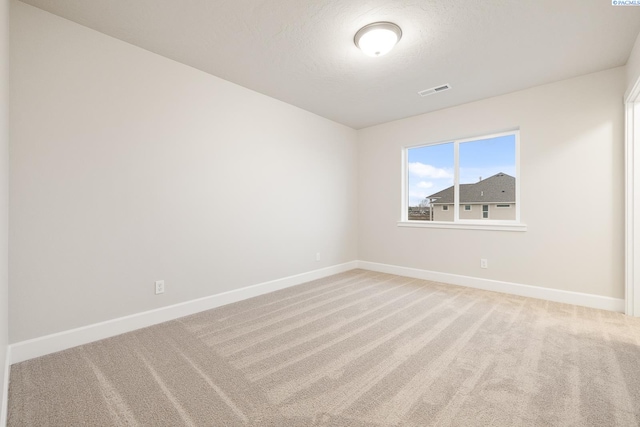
482 170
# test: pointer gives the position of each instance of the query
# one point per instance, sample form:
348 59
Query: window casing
462 155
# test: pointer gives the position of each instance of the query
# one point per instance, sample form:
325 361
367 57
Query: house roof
499 188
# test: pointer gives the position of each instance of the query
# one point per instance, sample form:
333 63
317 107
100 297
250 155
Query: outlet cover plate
159 287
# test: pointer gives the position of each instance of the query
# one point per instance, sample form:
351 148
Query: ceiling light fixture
378 38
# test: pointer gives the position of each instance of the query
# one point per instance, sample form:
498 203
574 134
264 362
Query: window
462 172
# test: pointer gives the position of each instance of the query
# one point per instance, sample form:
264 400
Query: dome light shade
378 38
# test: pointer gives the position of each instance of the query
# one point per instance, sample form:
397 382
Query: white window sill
466 225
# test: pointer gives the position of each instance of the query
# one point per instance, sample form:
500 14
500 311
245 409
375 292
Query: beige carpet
355 349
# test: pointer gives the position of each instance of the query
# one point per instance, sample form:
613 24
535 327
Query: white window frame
445 207
457 223
470 208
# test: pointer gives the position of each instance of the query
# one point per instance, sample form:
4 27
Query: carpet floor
355 349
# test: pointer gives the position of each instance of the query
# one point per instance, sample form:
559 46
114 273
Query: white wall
4 176
127 167
571 156
633 65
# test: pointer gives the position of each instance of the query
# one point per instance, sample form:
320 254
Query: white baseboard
5 388
41 346
568 297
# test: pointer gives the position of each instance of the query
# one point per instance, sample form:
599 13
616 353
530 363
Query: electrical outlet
159 287
484 263
317 256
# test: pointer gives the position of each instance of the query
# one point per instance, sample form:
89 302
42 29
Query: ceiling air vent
433 90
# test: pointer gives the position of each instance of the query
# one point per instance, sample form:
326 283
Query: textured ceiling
302 51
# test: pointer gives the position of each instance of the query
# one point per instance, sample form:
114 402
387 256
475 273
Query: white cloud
427 171
416 196
418 192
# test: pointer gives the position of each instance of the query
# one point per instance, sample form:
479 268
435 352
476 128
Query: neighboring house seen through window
445 180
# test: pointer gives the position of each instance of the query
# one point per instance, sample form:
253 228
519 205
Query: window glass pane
430 182
488 177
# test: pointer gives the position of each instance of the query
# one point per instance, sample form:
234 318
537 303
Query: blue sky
431 168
